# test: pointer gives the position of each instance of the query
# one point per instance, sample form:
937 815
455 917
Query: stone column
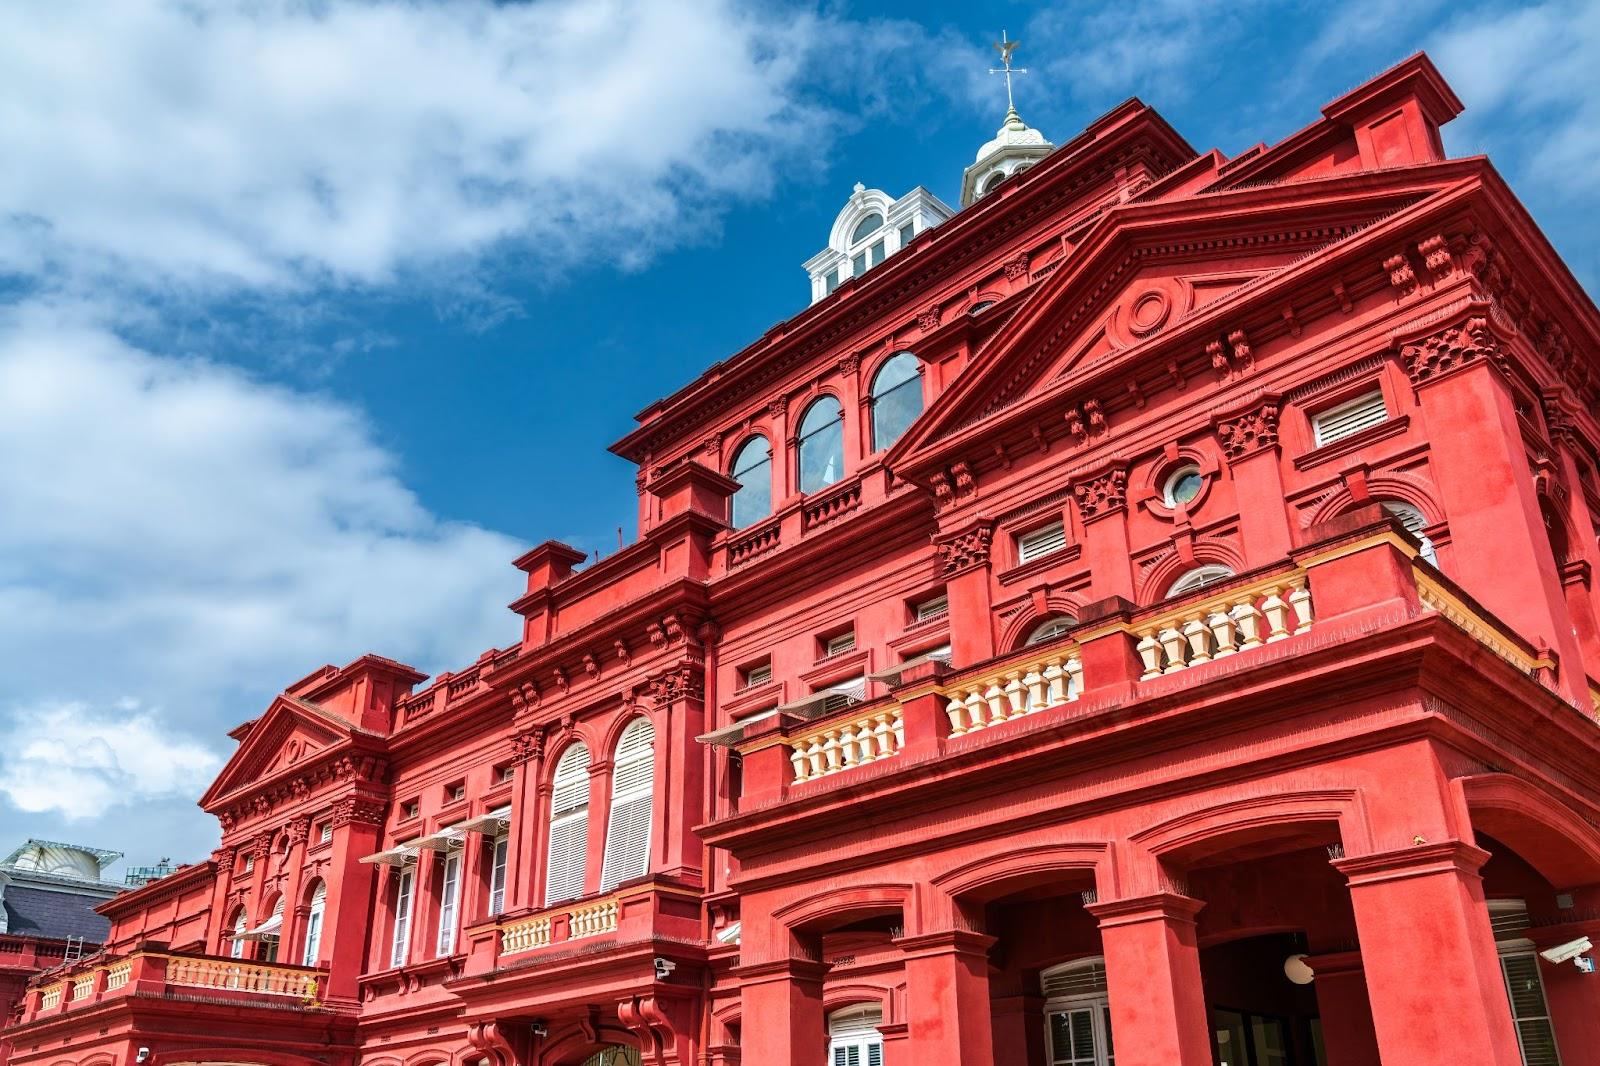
291 943
964 558
1158 1007
1102 507
782 1010
347 917
947 996
1341 989
524 852
1249 440
1433 977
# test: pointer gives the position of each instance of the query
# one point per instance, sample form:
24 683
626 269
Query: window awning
267 930
403 855
892 674
819 704
446 839
496 821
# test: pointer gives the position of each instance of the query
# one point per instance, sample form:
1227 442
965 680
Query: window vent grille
1350 418
1041 542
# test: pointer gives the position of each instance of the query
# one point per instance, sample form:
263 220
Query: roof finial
1005 47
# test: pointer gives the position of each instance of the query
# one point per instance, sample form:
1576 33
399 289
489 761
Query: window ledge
1354 442
1069 554
838 667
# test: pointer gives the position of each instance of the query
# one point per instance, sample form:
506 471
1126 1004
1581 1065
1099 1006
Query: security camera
143 1056
1572 951
664 968
540 1029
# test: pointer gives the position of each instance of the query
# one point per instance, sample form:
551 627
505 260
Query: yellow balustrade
236 976
594 919
117 974
1229 623
1015 691
51 996
82 987
525 935
842 745
1436 597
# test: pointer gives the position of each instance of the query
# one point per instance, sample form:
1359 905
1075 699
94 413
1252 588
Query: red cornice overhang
138 898
938 253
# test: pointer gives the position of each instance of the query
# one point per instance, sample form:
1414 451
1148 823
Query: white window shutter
1350 418
569 826
1040 542
632 799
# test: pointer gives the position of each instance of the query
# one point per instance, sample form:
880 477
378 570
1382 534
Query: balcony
630 914
1365 577
172 975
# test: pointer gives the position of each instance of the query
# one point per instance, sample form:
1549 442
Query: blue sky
312 316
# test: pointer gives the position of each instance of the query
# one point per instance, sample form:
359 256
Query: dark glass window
896 399
752 469
821 445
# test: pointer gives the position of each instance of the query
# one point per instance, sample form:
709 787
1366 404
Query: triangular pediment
293 732
1144 271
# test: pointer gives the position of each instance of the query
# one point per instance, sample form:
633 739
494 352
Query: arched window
569 826
240 924
991 183
319 902
1415 523
821 444
866 228
896 399
853 1037
1078 1013
752 469
1199 578
1049 629
628 823
618 1055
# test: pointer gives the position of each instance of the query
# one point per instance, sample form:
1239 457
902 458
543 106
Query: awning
267 930
892 674
446 839
495 822
732 734
403 855
819 704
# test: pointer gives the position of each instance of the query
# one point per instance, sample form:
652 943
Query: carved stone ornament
928 321
1450 349
1017 267
962 551
1401 276
365 811
299 829
1249 432
1101 495
684 681
528 746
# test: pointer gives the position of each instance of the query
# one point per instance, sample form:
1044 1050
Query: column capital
1334 962
1159 906
782 970
949 941
1450 856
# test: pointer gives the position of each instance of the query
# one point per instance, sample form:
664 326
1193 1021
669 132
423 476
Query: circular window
1183 485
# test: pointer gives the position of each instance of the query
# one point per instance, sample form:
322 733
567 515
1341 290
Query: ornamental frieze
1249 432
354 809
1101 495
685 681
526 747
1450 349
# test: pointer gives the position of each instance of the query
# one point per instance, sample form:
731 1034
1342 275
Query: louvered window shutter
497 875
1350 418
569 826
1528 1009
402 920
1051 538
632 795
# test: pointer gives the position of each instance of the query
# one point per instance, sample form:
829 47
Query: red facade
1205 673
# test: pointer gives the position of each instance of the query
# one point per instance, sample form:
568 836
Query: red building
1144 616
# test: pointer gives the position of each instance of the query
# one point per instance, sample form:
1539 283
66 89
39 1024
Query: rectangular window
908 231
839 644
506 772
858 265
249 863
1349 418
497 874
845 693
1043 541
757 675
402 919
410 809
876 254
1528 1010
455 793
831 282
936 607
325 833
449 900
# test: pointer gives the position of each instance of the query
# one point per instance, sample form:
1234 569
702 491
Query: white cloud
80 761
284 143
179 531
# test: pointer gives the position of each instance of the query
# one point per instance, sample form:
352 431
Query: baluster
1300 601
1221 627
899 729
995 697
1172 644
1016 695
798 757
1037 694
1074 672
883 734
1195 632
830 750
848 750
975 709
958 717
1248 619
1150 652
1052 684
814 757
1277 613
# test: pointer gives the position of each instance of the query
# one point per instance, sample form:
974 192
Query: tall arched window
1078 1012
896 399
1415 523
821 445
853 1036
1199 578
319 903
632 788
569 826
240 924
752 469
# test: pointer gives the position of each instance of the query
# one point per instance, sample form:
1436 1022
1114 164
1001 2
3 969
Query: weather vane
1005 47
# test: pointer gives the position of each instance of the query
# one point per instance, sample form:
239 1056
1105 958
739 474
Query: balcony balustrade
1229 623
637 910
1018 690
160 973
867 738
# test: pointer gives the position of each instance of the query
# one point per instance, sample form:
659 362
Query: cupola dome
1016 146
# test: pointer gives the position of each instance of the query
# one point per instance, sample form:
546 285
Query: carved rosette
1249 432
1099 496
962 551
1450 349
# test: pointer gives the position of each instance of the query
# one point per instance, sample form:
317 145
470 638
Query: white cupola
1016 147
872 227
